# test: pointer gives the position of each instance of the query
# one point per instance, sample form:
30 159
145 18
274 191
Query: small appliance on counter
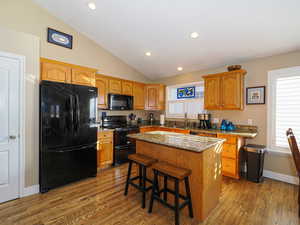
151 118
204 121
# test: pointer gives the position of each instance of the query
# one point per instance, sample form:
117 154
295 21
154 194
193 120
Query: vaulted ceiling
229 31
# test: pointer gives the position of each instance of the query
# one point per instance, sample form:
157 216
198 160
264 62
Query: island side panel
200 176
212 179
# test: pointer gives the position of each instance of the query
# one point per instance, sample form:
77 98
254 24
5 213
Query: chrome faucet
185 120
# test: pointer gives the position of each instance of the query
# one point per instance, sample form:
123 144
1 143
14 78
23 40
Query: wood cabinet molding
224 91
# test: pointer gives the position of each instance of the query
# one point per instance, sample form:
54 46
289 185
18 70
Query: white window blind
176 108
284 109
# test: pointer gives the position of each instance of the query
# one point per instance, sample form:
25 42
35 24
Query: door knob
12 137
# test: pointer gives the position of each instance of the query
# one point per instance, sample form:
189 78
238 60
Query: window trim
273 75
177 116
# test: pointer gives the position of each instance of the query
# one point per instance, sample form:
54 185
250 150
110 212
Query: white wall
28 46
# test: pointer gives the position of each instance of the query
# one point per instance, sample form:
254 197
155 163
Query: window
284 107
177 107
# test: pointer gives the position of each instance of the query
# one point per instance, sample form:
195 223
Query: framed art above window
185 98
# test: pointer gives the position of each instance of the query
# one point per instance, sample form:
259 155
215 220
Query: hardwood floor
101 201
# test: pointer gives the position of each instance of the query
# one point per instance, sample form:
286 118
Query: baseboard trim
281 177
31 190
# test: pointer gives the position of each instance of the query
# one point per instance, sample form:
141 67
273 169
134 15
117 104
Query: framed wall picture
59 38
186 92
256 95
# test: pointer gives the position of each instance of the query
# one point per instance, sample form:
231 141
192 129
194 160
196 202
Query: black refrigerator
68 134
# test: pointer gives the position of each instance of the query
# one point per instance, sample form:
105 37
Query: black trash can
254 155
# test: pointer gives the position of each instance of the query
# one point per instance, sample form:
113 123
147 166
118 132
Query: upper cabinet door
67 73
102 85
83 77
55 72
212 92
127 87
139 96
232 92
224 91
115 86
155 97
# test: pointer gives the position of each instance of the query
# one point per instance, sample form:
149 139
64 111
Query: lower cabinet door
229 167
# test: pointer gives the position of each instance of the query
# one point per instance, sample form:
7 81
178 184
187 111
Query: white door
9 128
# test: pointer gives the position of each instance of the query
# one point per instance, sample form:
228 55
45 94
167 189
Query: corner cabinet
224 91
155 97
57 71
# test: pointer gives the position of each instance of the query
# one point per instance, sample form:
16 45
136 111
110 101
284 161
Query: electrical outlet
250 122
216 120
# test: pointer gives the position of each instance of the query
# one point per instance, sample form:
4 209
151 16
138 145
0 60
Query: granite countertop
239 132
182 141
104 129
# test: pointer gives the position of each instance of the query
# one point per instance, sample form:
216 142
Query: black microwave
120 102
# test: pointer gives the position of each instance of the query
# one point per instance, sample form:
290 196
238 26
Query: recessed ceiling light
179 68
194 35
148 53
92 5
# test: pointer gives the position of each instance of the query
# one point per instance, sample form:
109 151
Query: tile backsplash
139 113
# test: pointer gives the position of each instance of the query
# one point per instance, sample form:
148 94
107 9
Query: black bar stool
143 162
177 174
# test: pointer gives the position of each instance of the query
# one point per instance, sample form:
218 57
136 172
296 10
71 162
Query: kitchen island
202 155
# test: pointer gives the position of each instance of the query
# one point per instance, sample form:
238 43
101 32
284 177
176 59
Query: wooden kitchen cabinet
83 77
127 87
57 71
224 91
155 97
212 86
138 91
231 155
115 86
105 149
102 85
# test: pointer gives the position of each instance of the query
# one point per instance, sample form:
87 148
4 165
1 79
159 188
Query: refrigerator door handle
71 99
77 114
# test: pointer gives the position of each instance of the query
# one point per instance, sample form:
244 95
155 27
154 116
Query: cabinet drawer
206 135
229 165
229 150
105 135
230 139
